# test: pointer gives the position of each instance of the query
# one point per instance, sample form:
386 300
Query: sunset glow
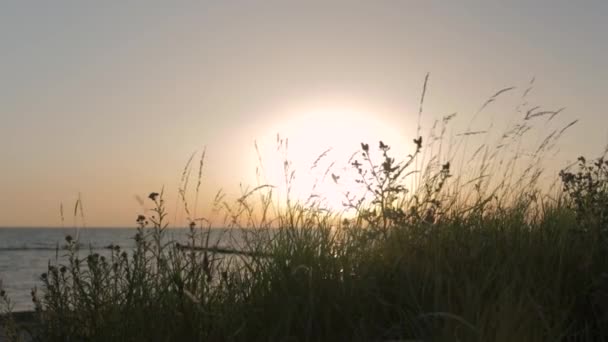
319 142
110 100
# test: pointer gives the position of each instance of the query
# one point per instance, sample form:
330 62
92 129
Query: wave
54 248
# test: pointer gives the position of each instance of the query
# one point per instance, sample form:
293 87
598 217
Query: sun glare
319 144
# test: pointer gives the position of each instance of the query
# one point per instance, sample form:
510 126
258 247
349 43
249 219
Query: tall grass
482 255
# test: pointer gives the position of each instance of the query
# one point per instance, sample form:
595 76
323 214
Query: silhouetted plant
8 326
392 203
587 187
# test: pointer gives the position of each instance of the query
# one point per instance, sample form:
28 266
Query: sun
318 144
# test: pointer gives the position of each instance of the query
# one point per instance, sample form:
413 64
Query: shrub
587 188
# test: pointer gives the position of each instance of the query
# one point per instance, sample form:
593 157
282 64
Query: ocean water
25 253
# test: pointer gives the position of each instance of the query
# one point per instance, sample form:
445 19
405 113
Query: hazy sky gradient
109 99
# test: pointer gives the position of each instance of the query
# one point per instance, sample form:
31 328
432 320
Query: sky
109 99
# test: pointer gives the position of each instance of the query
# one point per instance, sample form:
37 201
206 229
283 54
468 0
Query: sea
25 253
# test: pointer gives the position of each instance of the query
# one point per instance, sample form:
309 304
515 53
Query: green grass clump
492 277
421 254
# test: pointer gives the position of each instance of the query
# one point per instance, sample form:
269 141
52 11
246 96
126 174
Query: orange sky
109 100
